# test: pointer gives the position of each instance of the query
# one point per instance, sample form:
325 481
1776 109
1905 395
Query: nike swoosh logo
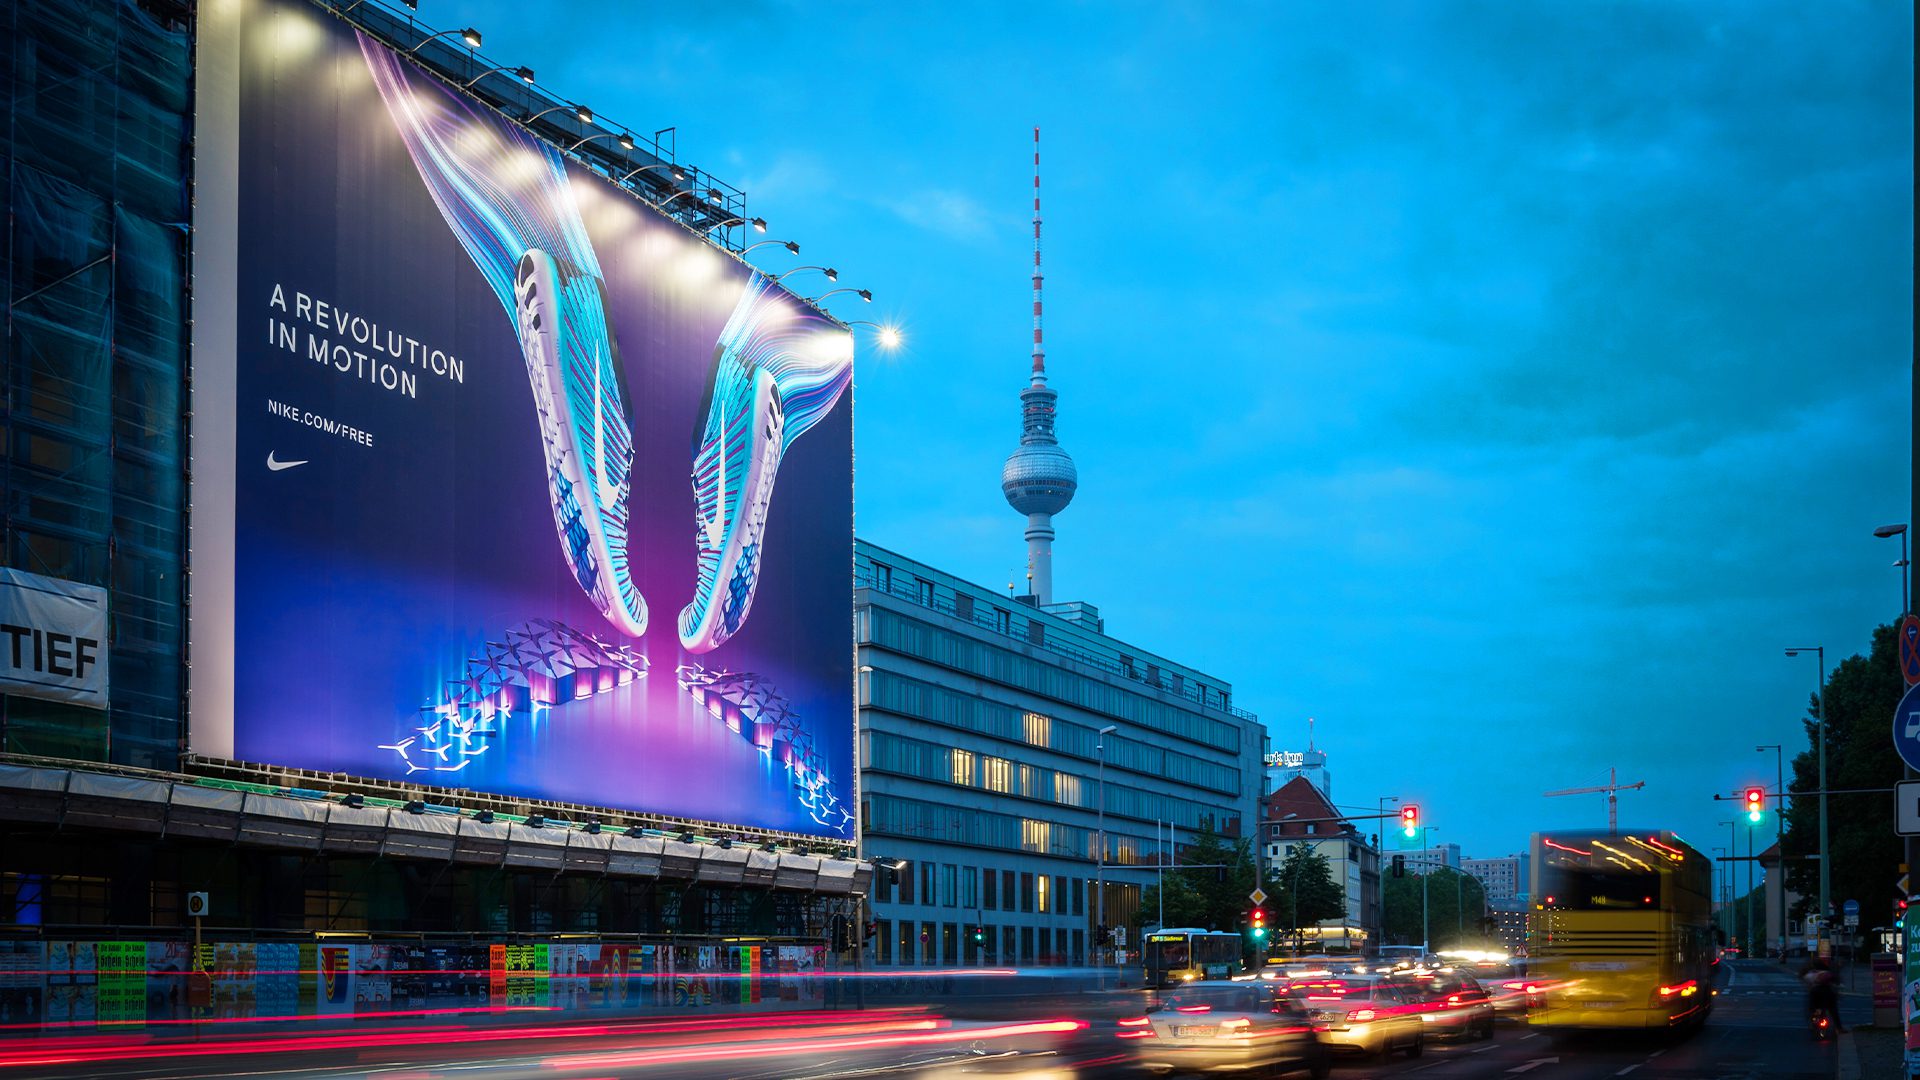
609 492
276 466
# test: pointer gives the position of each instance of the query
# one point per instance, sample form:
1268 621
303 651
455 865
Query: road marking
1524 1038
1534 1064
1626 1070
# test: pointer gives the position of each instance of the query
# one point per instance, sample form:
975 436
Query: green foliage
1456 906
1861 695
1301 890
1213 899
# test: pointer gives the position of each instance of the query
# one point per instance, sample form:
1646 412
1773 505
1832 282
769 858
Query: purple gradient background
369 575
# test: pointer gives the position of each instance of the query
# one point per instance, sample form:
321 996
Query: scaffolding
95 150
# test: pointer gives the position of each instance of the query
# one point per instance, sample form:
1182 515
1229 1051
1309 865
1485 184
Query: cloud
951 213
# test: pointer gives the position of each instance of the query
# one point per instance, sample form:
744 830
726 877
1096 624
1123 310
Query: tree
1454 903
1301 890
1213 893
1861 696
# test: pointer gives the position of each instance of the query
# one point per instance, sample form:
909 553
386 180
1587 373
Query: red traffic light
1259 916
1756 802
1410 818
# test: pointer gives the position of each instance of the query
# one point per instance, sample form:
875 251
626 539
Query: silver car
1241 1026
1367 1014
1452 1004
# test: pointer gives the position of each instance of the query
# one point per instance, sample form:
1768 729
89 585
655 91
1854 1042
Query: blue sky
1502 385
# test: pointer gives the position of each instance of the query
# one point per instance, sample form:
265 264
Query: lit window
963 767
1045 893
1039 730
996 774
1036 835
1066 789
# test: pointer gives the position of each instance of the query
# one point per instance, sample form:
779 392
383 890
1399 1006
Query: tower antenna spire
1039 478
1039 347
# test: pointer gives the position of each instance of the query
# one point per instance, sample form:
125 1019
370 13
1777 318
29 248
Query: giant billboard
503 480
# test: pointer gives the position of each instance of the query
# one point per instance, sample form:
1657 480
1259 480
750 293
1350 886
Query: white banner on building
53 639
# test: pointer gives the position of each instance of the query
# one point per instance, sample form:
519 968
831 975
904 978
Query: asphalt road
1757 1030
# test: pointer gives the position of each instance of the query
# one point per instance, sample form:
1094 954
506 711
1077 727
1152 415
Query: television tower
1039 478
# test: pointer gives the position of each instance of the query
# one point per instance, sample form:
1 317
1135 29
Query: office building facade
1504 879
983 765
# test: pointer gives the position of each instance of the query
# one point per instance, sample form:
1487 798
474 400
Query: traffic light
1102 936
1756 803
1410 819
979 934
1257 923
1399 866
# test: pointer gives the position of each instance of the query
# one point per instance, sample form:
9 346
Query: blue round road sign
1850 908
1906 727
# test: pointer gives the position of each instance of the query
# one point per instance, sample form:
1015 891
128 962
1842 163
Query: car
1242 1025
1452 1003
1364 1014
1507 986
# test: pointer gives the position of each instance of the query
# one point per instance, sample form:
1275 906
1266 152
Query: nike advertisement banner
53 639
534 491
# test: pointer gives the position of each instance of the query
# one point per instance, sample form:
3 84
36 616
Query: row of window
982 889
887 752
894 631
954 601
893 816
906 941
937 704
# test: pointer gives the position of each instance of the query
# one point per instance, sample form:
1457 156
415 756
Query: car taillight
1228 1027
1453 999
1361 1015
1515 986
1141 1028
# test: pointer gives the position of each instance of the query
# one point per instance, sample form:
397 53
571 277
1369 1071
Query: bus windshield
1165 955
1576 889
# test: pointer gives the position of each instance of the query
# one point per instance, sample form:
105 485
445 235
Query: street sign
1119 937
1909 636
1906 796
1258 896
1851 909
1906 727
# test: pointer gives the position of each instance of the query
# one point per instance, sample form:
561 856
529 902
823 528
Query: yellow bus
1620 934
1189 953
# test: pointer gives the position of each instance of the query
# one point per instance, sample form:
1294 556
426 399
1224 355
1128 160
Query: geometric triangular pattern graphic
538 665
752 708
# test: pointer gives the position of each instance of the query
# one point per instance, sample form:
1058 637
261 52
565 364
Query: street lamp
1820 713
1779 829
1900 531
1100 853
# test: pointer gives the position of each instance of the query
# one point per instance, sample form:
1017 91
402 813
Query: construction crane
1611 787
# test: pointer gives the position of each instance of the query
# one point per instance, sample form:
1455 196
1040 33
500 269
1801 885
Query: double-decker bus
1620 934
1185 954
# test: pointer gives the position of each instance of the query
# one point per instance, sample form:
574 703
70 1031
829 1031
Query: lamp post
1900 531
1381 805
1820 715
626 140
1100 852
1721 868
468 35
524 74
1426 871
1779 823
678 172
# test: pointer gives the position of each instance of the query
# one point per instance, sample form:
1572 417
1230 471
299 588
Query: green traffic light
1259 932
1754 816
